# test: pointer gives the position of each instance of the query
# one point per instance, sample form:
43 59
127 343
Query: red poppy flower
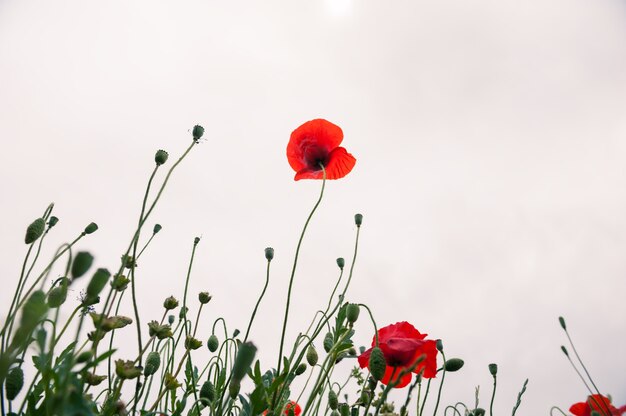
598 403
296 409
316 143
402 345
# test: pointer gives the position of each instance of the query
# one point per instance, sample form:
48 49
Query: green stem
256 307
443 377
493 395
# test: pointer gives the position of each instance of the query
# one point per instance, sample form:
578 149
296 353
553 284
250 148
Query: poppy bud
344 409
192 343
82 262
119 282
453 364
233 388
52 221
171 319
196 241
57 296
335 413
170 303
439 345
479 412
352 312
332 400
83 357
269 253
157 228
311 356
328 342
35 230
236 332
213 343
153 362
365 396
126 370
562 323
160 157
341 262
243 361
371 383
204 297
564 350
354 411
358 219
377 364
91 228
207 391
198 132
493 369
97 283
300 369
14 382
92 379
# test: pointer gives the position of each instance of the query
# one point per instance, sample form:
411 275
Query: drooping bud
213 343
493 369
358 220
269 253
207 391
341 262
328 342
454 364
377 364
352 312
192 343
14 383
243 361
233 388
562 323
170 303
157 228
57 295
82 262
97 283
160 331
332 400
52 221
35 230
91 228
153 362
198 132
160 157
119 282
126 370
311 355
439 345
204 297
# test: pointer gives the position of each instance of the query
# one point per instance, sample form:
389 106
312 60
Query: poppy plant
296 409
402 345
314 145
596 403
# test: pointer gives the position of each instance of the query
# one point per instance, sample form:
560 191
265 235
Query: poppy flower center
315 156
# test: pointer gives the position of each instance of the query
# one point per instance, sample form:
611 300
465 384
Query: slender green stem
493 395
256 307
443 377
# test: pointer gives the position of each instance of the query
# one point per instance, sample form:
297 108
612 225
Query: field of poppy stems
69 363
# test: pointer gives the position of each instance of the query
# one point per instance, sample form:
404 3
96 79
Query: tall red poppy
597 403
402 345
316 143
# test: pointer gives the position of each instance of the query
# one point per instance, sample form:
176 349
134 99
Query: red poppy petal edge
340 163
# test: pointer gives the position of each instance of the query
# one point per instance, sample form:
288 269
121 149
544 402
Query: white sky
490 139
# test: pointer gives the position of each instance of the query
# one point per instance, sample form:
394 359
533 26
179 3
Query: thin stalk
256 307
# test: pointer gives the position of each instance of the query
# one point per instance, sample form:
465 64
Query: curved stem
267 280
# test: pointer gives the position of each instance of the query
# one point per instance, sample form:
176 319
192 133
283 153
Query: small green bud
300 369
160 157
52 221
243 361
153 362
119 282
91 228
439 345
171 319
213 343
358 220
564 350
269 253
377 364
35 230
354 411
562 323
170 303
83 357
344 409
126 370
97 283
92 379
14 382
352 312
57 295
196 241
311 355
82 262
204 297
192 343
207 391
341 262
157 228
493 369
328 342
479 412
198 132
454 364
235 333
332 400
352 352
335 413
160 331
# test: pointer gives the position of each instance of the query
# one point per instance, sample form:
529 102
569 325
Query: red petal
339 164
580 409
364 358
319 134
398 330
406 379
430 363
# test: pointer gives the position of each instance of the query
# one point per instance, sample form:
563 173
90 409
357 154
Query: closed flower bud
377 364
160 157
14 382
82 262
311 356
171 319
157 228
562 323
335 413
564 350
328 342
126 370
196 241
192 343
170 382
300 369
332 400
52 221
341 262
35 230
204 297
91 228
352 312
453 364
119 282
198 132
170 303
269 253
344 409
207 391
160 331
244 359
493 369
97 283
153 362
233 388
352 351
57 296
439 345
116 322
354 411
92 379
358 220
213 343
479 412
365 396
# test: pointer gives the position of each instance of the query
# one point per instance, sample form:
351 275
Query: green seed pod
564 350
493 369
192 343
243 361
344 409
157 228
213 343
57 296
82 262
153 362
198 132
14 383
352 312
341 262
454 364
204 297
328 342
35 230
311 356
160 157
97 283
233 388
377 364
358 220
332 400
269 253
91 228
207 391
300 369
52 221
170 303
84 356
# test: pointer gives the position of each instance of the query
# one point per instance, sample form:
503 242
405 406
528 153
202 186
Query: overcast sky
490 139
